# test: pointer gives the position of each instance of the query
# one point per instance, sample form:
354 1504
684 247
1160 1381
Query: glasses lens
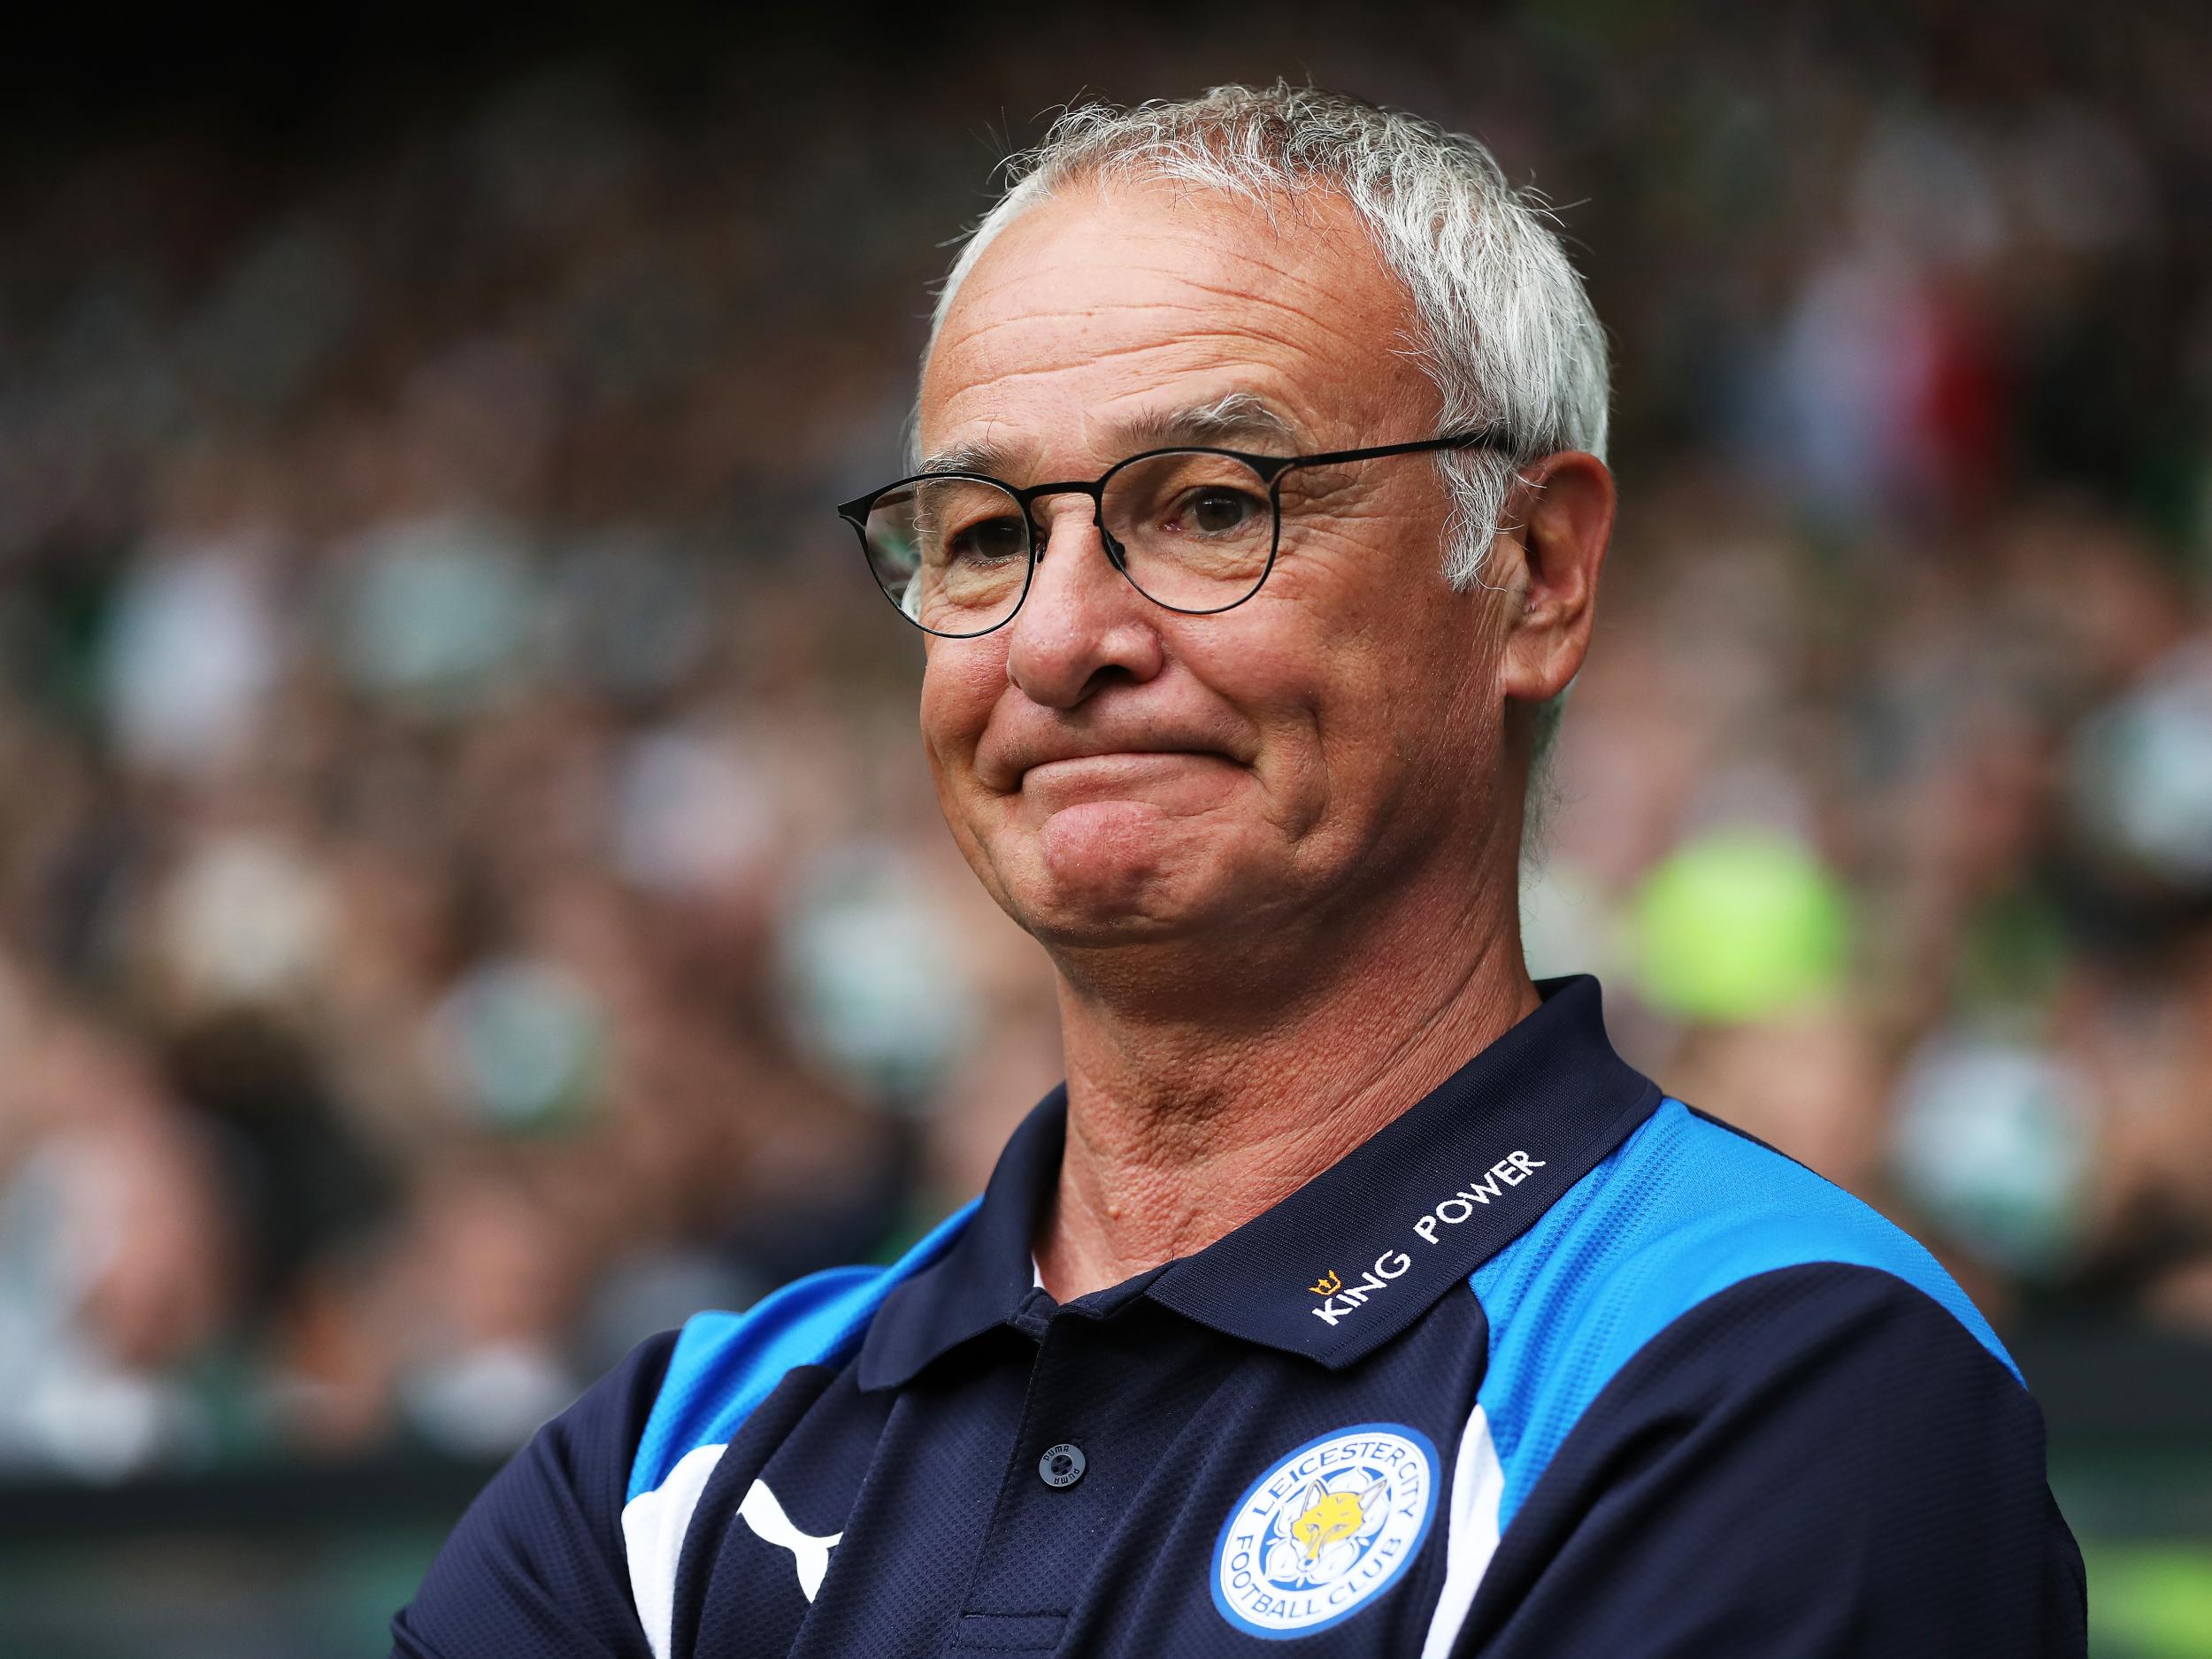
952 553
1196 529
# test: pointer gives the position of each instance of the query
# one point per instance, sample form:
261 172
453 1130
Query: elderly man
1352 1290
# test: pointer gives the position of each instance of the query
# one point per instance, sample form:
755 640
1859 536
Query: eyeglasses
1196 530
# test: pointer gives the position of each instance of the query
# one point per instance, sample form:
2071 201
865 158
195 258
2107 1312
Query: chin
1081 890
1060 917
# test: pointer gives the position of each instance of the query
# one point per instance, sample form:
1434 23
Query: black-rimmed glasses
1194 529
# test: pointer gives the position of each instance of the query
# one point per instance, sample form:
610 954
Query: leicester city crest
1326 1530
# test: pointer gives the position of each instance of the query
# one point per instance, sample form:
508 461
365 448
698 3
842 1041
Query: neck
1189 1115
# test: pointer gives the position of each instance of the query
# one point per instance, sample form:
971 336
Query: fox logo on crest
1330 1517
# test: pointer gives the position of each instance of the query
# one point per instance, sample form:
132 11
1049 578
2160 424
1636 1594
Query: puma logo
770 1525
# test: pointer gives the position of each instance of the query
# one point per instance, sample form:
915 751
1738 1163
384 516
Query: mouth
1120 757
1119 760
1130 771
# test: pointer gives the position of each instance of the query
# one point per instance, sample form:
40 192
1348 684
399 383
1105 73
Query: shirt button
1062 1465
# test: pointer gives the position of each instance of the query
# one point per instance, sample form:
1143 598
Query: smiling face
1116 771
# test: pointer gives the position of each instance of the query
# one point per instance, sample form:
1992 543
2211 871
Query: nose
1082 626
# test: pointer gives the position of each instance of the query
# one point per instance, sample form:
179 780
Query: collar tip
873 1373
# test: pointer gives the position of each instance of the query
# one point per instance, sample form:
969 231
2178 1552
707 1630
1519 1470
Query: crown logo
1328 1285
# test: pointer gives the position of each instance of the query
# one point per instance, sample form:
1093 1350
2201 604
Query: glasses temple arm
1457 441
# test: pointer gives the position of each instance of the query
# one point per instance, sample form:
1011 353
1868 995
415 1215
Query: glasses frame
1271 470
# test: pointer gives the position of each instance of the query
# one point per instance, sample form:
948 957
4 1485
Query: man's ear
1566 507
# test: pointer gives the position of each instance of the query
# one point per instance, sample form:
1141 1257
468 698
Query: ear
1550 569
1372 1496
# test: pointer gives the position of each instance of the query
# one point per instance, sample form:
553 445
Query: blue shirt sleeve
536 1565
1817 1461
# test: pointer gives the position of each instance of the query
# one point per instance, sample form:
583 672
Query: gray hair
1507 334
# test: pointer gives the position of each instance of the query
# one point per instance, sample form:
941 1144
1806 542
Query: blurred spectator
470 893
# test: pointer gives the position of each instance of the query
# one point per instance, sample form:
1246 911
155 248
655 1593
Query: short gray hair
1509 338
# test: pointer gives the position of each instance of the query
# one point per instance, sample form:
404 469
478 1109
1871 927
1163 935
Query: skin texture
1273 852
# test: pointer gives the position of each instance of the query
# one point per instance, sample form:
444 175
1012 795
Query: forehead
1108 303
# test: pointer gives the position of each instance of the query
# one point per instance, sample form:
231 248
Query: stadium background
469 888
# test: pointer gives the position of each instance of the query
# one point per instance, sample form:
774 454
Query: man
1351 1290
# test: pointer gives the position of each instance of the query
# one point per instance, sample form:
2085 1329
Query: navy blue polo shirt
1551 1365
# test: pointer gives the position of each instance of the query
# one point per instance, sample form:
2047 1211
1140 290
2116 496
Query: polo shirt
1551 1365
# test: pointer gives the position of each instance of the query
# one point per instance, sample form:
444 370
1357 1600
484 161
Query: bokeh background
470 892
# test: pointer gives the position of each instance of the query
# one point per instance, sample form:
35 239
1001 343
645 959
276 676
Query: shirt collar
1355 1256
989 1274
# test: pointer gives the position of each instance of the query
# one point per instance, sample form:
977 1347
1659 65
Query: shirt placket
1076 1458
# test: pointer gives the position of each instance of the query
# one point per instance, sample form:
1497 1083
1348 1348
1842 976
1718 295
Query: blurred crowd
470 891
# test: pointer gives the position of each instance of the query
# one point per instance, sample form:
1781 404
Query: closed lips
1119 754
1003 765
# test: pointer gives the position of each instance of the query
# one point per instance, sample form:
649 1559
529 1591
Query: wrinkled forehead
1099 312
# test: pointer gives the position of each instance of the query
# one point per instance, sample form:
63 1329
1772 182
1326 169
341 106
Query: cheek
1402 712
960 685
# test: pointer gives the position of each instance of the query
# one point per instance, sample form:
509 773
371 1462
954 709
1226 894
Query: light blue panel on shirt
725 1364
1684 1209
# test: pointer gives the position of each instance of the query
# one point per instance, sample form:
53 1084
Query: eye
1216 509
991 540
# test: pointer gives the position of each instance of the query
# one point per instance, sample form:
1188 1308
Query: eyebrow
1234 418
